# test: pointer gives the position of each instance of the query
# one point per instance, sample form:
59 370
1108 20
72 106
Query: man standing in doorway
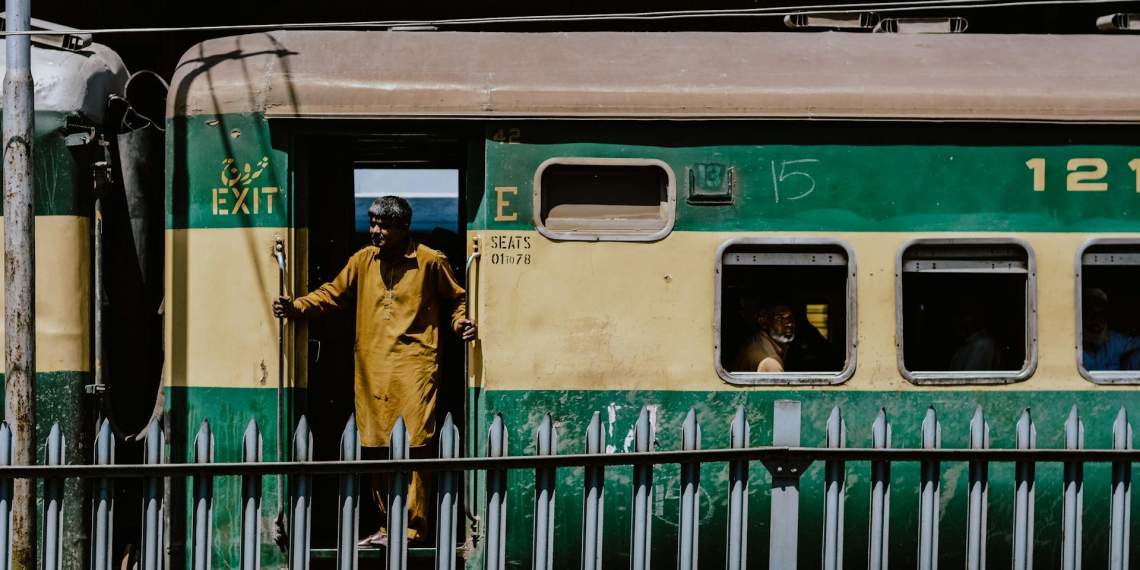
401 289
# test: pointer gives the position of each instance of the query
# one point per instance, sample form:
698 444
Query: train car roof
676 75
78 81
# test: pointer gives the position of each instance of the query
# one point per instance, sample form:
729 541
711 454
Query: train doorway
337 177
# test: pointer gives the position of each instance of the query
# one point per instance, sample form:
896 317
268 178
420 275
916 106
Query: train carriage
936 214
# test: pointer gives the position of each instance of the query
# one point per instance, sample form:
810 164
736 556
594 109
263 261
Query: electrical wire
633 16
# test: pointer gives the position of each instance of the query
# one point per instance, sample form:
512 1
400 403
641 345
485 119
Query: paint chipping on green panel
223 172
838 177
523 411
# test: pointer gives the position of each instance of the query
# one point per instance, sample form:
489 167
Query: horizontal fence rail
786 461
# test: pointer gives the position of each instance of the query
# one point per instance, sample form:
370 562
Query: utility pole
20 275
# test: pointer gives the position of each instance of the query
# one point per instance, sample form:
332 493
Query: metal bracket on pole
785 488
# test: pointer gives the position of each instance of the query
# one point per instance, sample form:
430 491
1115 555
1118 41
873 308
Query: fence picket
300 499
929 491
835 489
348 521
544 488
53 502
1023 496
6 489
446 503
690 511
880 495
495 556
783 548
151 555
251 500
977 517
642 495
102 516
1121 520
400 449
739 436
202 545
1074 494
593 498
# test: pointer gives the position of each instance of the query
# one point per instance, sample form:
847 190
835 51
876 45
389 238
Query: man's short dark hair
392 208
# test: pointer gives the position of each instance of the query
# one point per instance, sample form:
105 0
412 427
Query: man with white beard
1105 349
766 349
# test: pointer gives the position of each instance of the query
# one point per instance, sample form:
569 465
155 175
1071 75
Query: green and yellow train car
933 211
74 80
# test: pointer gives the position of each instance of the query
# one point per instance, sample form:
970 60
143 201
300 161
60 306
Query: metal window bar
784 459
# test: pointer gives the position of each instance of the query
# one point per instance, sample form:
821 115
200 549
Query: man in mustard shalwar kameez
400 289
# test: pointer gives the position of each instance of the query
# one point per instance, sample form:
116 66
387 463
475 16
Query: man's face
387 233
1095 323
783 325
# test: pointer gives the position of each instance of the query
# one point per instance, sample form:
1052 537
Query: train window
1108 311
604 199
966 311
785 311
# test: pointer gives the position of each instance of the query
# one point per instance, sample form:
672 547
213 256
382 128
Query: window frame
1103 377
595 236
788 378
961 378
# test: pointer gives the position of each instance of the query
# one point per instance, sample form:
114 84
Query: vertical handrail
348 523
279 253
400 449
544 489
469 406
783 549
300 502
1023 496
593 498
642 495
151 554
202 546
104 497
977 516
690 510
835 489
495 555
880 495
1073 493
251 452
446 502
739 437
929 492
53 502
1121 520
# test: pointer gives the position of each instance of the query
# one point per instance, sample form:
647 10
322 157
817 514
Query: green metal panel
223 172
523 411
228 411
823 177
62 174
60 398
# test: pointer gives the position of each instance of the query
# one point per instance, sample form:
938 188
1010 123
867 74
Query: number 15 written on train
1085 174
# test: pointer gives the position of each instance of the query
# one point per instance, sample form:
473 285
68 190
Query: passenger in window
1104 348
766 349
978 350
401 291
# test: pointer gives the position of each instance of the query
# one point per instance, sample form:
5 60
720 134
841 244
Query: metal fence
785 460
